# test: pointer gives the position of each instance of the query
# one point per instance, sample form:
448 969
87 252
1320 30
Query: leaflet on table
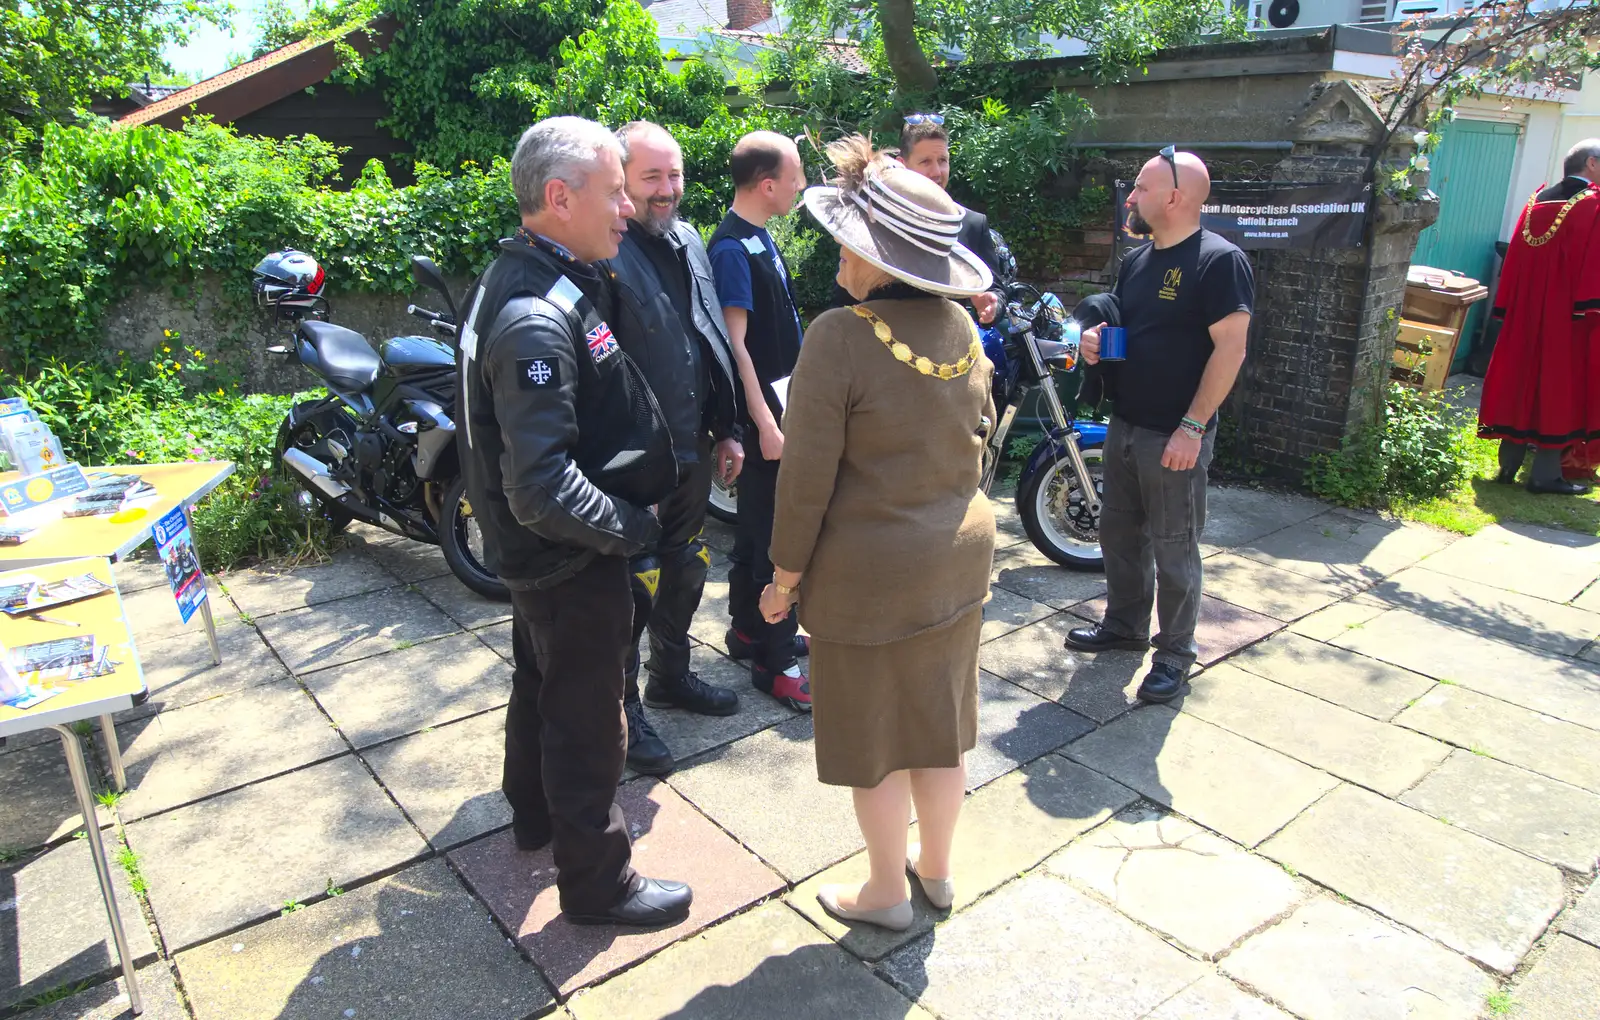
46 668
30 445
175 548
27 594
41 490
108 493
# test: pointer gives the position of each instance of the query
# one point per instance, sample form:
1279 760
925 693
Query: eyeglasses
1170 154
925 118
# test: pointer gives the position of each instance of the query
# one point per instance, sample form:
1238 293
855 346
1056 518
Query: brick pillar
1323 334
744 13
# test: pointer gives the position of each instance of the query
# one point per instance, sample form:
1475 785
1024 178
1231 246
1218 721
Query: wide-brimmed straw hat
898 220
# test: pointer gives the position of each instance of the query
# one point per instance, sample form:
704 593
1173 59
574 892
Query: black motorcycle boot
1096 638
1163 683
690 693
651 903
647 753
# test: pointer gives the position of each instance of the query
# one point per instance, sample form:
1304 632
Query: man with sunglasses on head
925 148
1186 300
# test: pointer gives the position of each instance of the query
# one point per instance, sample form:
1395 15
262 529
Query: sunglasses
925 118
1170 154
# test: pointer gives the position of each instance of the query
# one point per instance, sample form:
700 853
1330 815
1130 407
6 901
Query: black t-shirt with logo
1170 298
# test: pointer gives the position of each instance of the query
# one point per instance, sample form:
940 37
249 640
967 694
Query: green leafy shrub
1415 451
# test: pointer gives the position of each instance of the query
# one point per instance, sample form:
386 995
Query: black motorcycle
381 447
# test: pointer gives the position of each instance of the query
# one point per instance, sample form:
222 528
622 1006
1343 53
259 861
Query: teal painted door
1472 176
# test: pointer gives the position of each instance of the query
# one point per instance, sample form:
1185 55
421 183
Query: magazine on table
109 493
27 594
33 673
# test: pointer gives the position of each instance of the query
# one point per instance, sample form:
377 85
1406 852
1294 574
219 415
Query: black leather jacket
652 332
563 445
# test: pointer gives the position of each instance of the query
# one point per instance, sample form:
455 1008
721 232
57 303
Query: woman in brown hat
881 535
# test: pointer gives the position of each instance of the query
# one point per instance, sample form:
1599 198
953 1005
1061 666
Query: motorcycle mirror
426 274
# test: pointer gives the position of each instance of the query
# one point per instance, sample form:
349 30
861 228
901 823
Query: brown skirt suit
878 508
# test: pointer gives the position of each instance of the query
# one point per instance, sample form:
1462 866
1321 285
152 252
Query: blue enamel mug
1113 343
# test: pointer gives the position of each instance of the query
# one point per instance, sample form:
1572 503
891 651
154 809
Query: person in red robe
1543 385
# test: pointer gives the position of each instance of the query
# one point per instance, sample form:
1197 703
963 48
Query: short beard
654 225
1138 225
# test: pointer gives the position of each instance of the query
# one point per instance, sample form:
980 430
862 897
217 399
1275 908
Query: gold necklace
903 353
1527 235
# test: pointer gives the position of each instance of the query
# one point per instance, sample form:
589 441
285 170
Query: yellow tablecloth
101 616
72 537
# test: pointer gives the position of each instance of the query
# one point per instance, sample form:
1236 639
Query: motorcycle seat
344 357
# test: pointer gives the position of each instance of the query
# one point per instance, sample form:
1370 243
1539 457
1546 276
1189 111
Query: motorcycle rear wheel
461 540
724 502
1052 512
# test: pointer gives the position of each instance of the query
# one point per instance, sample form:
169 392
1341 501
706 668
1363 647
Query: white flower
1419 163
1419 139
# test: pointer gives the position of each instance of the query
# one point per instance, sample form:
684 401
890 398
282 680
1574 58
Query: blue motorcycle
1059 490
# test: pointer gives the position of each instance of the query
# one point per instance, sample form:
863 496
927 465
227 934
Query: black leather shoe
691 693
1506 476
529 836
653 903
1098 639
1558 487
647 752
741 647
1162 684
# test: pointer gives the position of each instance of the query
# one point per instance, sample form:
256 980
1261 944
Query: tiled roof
689 17
845 54
216 83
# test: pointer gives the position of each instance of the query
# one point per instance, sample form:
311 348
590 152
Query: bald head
767 174
1167 197
1583 159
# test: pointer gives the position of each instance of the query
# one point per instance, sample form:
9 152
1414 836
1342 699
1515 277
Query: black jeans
565 735
1150 527
752 570
684 560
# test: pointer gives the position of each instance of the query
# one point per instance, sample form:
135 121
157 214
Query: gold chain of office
1527 235
901 352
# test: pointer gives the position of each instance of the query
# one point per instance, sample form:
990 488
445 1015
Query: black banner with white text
1272 215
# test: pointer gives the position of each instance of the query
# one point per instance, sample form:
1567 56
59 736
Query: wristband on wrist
1190 425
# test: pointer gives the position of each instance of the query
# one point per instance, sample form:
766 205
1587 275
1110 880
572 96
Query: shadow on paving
818 973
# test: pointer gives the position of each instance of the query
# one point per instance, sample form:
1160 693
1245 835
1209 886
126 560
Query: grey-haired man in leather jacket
563 451
670 322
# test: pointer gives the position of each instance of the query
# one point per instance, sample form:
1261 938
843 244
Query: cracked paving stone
1583 920
1216 998
1563 985
1373 688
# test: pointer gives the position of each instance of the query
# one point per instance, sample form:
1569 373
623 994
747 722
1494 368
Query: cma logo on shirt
1169 284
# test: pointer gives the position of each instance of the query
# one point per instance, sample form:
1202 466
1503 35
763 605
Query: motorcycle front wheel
461 540
724 502
1051 506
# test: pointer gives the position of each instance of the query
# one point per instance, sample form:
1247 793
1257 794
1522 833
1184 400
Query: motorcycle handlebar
438 320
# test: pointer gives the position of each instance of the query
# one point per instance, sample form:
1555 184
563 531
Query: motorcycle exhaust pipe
315 474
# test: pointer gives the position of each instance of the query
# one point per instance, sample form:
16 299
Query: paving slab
497 637
1490 611
670 840
1552 684
1374 754
1328 624
1008 526
239 857
1023 570
688 734
1583 920
39 806
462 604
1269 590
330 635
185 754
1226 783
1335 547
157 991
430 684
1541 817
1035 658
1039 948
1551 747
139 572
1224 628
447 778
1590 599
1357 682
1474 896
763 790
1015 727
1549 563
1237 515
178 670
410 561
711 622
1006 828
767 964
265 591
1563 985
1332 961
1006 611
153 614
1171 875
1215 998
54 929
413 946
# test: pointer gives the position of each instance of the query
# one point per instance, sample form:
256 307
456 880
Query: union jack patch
601 343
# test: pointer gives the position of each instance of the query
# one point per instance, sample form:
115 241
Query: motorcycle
381 446
1059 490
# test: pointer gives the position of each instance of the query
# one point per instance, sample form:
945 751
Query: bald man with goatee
1186 300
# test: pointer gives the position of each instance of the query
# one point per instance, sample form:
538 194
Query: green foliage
1415 451
58 55
130 864
54 995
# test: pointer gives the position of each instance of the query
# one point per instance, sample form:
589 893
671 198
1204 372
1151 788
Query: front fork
1063 440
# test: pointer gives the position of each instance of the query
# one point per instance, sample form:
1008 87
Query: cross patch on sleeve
538 373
